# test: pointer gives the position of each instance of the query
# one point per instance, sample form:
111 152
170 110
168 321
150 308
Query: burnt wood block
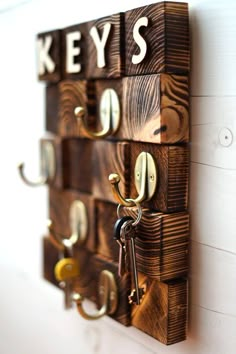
108 62
77 164
123 312
163 311
50 258
52 108
172 163
74 51
109 157
60 202
161 240
73 164
73 94
106 216
87 284
154 108
162 39
49 56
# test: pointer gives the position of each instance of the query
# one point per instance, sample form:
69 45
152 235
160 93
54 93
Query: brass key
65 271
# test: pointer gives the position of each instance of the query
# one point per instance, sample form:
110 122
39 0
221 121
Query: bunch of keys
124 234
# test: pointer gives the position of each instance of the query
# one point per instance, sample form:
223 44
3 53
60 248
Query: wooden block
172 163
108 61
163 312
154 108
157 39
123 311
77 164
49 56
173 172
87 284
106 216
109 157
52 108
73 164
74 49
161 244
161 240
59 204
50 258
74 94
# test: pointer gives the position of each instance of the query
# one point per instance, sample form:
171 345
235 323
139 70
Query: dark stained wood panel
52 108
166 35
163 312
79 93
50 258
114 49
106 216
60 202
77 164
109 157
54 53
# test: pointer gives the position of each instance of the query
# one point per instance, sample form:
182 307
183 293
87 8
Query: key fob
118 225
66 268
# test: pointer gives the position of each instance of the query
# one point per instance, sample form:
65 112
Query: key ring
139 215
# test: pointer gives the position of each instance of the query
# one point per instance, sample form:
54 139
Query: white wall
32 319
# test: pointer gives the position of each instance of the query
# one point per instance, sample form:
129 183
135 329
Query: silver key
129 234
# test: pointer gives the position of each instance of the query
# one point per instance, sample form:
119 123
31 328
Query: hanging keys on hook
124 234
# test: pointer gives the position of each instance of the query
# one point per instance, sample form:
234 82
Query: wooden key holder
117 100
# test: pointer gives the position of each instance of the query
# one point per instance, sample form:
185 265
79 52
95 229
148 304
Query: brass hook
78 224
108 297
145 175
48 161
109 115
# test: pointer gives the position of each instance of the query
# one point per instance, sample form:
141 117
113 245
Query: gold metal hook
109 115
47 165
145 175
78 224
108 297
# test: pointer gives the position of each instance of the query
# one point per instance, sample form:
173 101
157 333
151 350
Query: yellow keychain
66 269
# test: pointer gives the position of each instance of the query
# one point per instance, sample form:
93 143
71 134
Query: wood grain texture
50 258
59 204
74 94
163 312
56 55
155 109
106 216
161 244
161 240
69 174
52 108
82 58
87 283
173 175
167 38
114 49
109 157
77 164
123 312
